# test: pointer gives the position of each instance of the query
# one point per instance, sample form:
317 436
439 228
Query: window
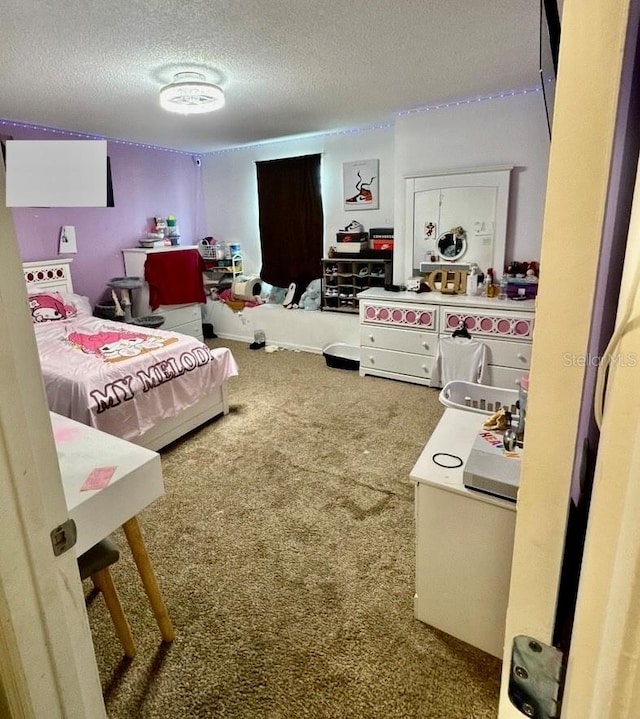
291 221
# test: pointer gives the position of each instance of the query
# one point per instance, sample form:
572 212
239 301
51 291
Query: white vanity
453 221
399 333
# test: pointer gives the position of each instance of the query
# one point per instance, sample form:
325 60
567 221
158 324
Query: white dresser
186 319
399 333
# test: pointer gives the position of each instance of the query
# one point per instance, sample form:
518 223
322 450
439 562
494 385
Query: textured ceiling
288 67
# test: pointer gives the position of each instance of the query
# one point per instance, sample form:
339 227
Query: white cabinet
464 542
186 318
399 333
397 339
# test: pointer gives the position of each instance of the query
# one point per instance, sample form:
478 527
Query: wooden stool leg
103 581
141 558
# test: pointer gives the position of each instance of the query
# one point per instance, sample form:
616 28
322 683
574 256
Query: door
47 663
597 48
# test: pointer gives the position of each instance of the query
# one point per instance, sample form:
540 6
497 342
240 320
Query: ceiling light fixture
191 94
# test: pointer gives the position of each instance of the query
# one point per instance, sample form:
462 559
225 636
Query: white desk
136 482
464 542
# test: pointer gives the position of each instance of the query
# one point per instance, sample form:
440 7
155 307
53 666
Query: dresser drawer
398 339
489 323
175 315
516 355
391 314
193 329
502 376
397 362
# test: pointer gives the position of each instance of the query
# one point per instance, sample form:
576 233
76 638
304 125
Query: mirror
452 245
458 217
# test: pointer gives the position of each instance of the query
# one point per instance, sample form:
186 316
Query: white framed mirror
457 218
451 245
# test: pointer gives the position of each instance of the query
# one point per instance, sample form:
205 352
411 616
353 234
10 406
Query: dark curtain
291 221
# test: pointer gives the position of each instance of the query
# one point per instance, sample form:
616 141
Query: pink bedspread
124 379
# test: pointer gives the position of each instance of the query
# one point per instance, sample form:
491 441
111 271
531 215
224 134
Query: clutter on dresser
163 233
493 465
522 280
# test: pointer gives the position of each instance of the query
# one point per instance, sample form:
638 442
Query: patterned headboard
52 275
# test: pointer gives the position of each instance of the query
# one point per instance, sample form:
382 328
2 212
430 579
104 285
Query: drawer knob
372 338
425 345
371 360
520 356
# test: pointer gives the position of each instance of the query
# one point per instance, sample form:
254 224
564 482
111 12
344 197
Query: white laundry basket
480 398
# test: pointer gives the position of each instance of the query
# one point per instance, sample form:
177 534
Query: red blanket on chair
174 278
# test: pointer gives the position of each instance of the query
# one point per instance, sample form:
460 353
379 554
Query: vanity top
437 298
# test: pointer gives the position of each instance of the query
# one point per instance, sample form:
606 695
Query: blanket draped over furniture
148 386
174 278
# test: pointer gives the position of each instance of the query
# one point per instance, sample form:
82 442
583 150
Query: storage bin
521 289
106 311
149 321
342 356
480 398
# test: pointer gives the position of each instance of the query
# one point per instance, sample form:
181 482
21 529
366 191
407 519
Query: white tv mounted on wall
56 173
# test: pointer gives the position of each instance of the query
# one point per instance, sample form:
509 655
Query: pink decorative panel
489 325
400 316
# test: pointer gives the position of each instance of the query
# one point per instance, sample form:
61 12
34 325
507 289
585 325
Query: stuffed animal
310 298
500 420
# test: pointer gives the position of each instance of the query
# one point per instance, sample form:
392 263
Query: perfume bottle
502 288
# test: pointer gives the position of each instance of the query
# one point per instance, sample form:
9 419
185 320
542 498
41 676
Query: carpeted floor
284 546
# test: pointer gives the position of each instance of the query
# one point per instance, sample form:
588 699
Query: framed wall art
360 185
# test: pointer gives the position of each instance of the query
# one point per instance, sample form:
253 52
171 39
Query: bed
148 386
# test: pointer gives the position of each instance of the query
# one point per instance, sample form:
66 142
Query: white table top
437 298
454 435
136 482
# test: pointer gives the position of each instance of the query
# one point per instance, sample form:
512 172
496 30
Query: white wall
504 131
310 331
230 188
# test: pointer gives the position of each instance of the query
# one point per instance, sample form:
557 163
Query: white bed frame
55 276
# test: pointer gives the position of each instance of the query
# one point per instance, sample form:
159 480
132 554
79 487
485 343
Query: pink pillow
50 307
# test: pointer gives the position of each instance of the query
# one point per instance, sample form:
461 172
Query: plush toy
500 420
310 298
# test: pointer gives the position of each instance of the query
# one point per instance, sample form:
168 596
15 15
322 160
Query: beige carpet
284 547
